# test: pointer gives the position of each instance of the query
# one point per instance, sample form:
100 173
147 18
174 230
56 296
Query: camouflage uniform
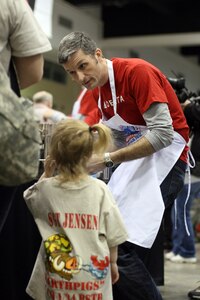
19 137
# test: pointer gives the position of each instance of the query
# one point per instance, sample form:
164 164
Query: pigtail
103 139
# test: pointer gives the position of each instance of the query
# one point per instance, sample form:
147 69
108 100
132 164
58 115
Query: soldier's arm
29 69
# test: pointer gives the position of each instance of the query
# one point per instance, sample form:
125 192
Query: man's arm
160 135
139 149
29 69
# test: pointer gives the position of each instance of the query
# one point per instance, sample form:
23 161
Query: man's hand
183 105
96 164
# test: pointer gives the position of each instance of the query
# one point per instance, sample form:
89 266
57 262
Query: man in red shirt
136 100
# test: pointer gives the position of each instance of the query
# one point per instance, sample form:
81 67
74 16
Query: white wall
167 60
155 49
80 21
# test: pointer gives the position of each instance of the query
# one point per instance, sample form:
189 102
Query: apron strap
190 164
112 84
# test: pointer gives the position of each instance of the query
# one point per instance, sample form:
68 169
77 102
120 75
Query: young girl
77 217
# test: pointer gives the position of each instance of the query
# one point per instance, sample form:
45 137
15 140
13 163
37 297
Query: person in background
135 99
194 294
47 117
43 108
192 113
85 108
22 44
82 249
183 239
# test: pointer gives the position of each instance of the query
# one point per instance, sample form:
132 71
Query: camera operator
183 242
191 110
190 103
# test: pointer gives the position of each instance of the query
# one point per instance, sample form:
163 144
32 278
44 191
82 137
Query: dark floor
180 278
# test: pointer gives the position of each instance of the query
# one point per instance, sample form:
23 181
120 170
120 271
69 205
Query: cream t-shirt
78 223
20 33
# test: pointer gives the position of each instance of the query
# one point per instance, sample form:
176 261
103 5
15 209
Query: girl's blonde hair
72 144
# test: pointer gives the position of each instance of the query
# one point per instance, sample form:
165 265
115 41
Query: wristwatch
108 161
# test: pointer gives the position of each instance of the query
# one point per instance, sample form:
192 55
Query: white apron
136 184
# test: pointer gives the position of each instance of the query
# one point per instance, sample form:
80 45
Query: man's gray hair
43 97
73 42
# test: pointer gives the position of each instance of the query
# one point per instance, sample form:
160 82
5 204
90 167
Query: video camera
181 91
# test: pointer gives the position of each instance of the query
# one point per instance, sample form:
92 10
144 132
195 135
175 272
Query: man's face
86 70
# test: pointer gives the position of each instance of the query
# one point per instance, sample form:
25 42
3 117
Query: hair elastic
91 129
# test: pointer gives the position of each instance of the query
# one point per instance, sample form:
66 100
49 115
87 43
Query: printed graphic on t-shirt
60 259
127 135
